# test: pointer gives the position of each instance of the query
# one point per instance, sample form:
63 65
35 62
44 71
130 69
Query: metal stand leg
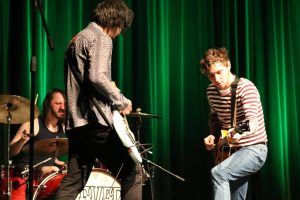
8 164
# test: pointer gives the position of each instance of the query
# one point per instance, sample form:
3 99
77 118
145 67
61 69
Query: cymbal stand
149 174
8 164
139 123
156 165
144 156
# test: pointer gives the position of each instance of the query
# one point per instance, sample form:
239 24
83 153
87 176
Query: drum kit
13 182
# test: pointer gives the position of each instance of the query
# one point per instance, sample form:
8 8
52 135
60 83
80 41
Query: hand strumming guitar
126 110
232 136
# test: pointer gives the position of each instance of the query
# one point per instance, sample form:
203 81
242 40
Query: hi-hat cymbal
49 147
19 108
142 115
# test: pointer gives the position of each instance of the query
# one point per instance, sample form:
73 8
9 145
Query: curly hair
212 56
113 14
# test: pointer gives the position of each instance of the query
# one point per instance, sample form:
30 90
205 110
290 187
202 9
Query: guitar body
126 136
221 153
223 149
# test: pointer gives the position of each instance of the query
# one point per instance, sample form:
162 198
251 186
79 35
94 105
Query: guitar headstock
242 127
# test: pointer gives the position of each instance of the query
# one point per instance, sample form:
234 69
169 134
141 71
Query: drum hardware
149 173
13 110
139 114
16 108
17 184
156 165
149 164
147 151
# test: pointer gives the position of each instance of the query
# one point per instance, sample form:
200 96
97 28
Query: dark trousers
95 141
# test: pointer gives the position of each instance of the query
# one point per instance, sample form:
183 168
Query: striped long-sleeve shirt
248 108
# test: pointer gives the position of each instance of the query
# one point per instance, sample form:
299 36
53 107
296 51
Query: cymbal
19 108
142 115
49 147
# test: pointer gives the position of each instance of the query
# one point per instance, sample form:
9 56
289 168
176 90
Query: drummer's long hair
46 104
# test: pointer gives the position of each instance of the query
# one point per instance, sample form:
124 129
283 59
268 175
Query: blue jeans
230 177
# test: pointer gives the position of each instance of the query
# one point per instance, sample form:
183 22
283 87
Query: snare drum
47 188
101 185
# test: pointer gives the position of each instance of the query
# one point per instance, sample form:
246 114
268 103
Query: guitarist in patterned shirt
230 177
88 57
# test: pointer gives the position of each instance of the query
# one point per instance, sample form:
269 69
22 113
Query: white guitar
126 136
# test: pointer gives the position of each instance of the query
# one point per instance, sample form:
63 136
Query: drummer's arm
59 166
21 137
59 162
46 170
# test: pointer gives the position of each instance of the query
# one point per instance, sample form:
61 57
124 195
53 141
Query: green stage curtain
156 65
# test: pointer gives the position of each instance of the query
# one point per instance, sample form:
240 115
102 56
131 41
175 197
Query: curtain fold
156 65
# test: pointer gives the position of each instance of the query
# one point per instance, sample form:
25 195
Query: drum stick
36 98
35 101
36 165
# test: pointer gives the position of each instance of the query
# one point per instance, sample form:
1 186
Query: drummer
47 126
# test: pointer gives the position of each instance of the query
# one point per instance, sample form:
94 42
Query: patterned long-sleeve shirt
90 53
249 107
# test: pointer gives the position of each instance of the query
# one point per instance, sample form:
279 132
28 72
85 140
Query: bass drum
100 185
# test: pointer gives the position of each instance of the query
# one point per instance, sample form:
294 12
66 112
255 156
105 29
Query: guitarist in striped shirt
230 177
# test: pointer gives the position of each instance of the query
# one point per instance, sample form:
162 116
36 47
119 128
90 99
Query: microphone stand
33 66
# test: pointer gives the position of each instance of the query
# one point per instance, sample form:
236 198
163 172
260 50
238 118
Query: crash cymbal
49 147
19 108
142 115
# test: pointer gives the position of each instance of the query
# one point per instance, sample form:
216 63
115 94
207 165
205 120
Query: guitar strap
92 99
226 148
234 85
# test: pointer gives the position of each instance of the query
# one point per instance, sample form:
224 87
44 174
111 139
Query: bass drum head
100 185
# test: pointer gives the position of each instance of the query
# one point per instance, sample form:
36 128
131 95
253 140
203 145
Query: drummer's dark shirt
22 159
